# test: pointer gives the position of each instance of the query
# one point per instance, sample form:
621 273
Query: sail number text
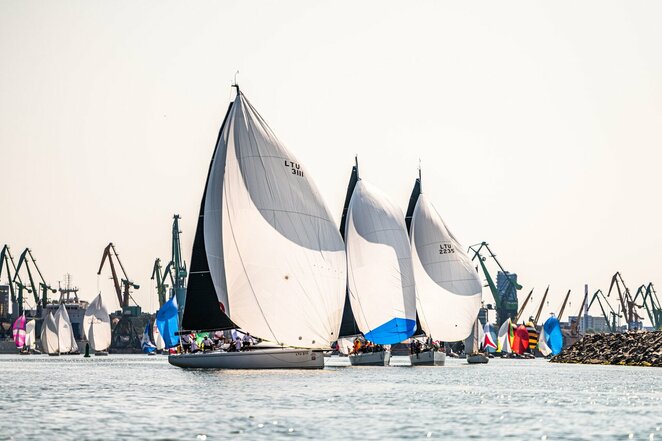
296 168
446 248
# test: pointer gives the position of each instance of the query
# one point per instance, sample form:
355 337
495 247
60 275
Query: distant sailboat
18 331
520 339
379 275
267 255
30 338
65 334
503 338
553 335
448 288
158 339
49 337
96 326
542 343
476 356
145 342
488 339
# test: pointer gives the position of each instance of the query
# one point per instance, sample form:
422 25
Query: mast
413 199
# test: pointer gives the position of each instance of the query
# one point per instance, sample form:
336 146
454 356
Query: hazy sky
539 126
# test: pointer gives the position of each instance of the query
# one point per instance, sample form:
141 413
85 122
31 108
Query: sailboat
18 331
553 336
503 338
267 256
146 343
49 337
96 326
65 335
158 338
488 340
476 356
448 289
30 337
379 273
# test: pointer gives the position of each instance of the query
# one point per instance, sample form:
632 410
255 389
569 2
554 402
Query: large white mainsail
274 253
96 325
448 289
49 339
380 278
65 338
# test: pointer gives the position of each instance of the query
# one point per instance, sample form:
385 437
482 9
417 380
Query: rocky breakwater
629 348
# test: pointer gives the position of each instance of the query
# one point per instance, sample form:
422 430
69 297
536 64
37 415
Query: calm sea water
140 397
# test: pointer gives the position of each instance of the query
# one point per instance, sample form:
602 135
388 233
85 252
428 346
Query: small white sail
30 337
49 338
542 343
504 337
64 333
158 338
380 277
275 254
96 325
448 288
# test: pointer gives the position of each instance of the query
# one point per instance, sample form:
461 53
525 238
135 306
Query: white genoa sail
380 278
65 335
96 325
49 339
158 338
275 255
30 337
448 288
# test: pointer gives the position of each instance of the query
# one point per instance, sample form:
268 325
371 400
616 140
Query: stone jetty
637 348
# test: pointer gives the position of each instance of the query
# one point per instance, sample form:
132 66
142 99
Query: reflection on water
140 397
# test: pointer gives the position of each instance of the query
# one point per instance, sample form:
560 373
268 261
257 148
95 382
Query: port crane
602 301
565 302
122 285
521 309
6 260
542 303
26 258
628 305
505 300
651 303
175 270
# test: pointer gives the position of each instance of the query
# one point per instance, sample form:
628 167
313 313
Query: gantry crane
175 270
651 302
505 300
7 261
28 260
122 286
160 276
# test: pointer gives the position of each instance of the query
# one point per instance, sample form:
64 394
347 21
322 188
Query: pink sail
18 330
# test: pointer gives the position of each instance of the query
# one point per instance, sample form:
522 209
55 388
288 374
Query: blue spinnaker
168 323
553 336
393 331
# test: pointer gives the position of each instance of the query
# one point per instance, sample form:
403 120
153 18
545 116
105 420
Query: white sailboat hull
371 359
256 359
428 358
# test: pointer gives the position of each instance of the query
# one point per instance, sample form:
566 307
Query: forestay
274 253
448 288
380 278
96 325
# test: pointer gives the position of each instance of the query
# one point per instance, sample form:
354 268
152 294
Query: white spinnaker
49 339
282 265
96 325
542 343
380 277
63 330
30 332
158 338
448 288
503 344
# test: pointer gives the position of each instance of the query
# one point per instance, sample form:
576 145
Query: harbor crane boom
159 275
6 259
123 291
521 309
28 259
542 303
506 303
611 318
565 302
651 303
628 305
